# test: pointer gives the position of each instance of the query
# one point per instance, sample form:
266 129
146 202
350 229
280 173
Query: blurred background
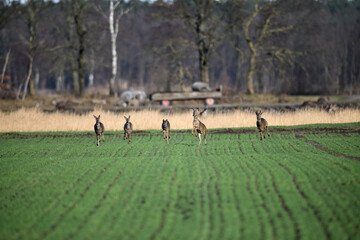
103 48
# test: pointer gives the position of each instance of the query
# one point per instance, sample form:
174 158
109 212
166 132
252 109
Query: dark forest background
283 46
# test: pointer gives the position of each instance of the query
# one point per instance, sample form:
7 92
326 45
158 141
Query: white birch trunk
5 64
113 34
28 77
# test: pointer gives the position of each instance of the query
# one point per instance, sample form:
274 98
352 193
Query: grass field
300 183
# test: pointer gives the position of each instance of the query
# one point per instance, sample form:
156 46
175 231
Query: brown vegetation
33 120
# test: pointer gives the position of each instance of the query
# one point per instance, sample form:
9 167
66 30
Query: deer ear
99 116
129 117
94 116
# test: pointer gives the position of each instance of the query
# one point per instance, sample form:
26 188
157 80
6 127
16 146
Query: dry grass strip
32 120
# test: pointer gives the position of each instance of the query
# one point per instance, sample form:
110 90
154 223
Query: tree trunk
81 69
28 77
76 81
5 64
205 74
113 35
78 8
250 75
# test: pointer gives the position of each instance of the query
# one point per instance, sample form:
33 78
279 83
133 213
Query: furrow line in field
127 152
240 148
202 208
143 221
96 207
218 199
252 196
211 214
35 181
164 211
4 154
296 150
338 165
335 207
283 202
114 206
322 148
69 209
57 199
309 203
318 187
263 205
117 151
236 198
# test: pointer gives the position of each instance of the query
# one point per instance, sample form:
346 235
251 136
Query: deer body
99 130
128 127
261 124
198 126
166 129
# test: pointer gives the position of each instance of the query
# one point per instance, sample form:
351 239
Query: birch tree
114 30
32 10
113 17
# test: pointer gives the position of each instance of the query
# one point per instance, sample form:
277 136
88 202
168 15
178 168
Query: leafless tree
203 18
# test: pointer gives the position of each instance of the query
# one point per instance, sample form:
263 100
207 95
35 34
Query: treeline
247 46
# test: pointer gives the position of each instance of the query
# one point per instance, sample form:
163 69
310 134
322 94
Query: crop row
289 186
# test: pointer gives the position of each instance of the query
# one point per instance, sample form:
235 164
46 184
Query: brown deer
128 127
198 126
99 130
261 124
166 129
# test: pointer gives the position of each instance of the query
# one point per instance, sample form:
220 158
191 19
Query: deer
198 126
99 130
166 129
261 124
128 127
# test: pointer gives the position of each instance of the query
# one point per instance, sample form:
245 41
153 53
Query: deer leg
167 139
261 136
124 135
103 138
97 140
267 131
205 137
199 138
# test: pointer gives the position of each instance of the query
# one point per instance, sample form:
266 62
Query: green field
301 183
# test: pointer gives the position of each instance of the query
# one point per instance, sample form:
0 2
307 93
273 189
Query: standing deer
99 130
261 124
128 127
198 126
166 129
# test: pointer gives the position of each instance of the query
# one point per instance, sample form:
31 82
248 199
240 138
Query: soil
297 131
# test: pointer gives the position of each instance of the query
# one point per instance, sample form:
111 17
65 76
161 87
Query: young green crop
293 185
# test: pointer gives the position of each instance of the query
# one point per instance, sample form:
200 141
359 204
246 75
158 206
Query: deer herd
198 128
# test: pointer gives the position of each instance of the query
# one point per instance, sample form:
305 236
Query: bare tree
260 30
114 30
203 19
32 12
77 7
